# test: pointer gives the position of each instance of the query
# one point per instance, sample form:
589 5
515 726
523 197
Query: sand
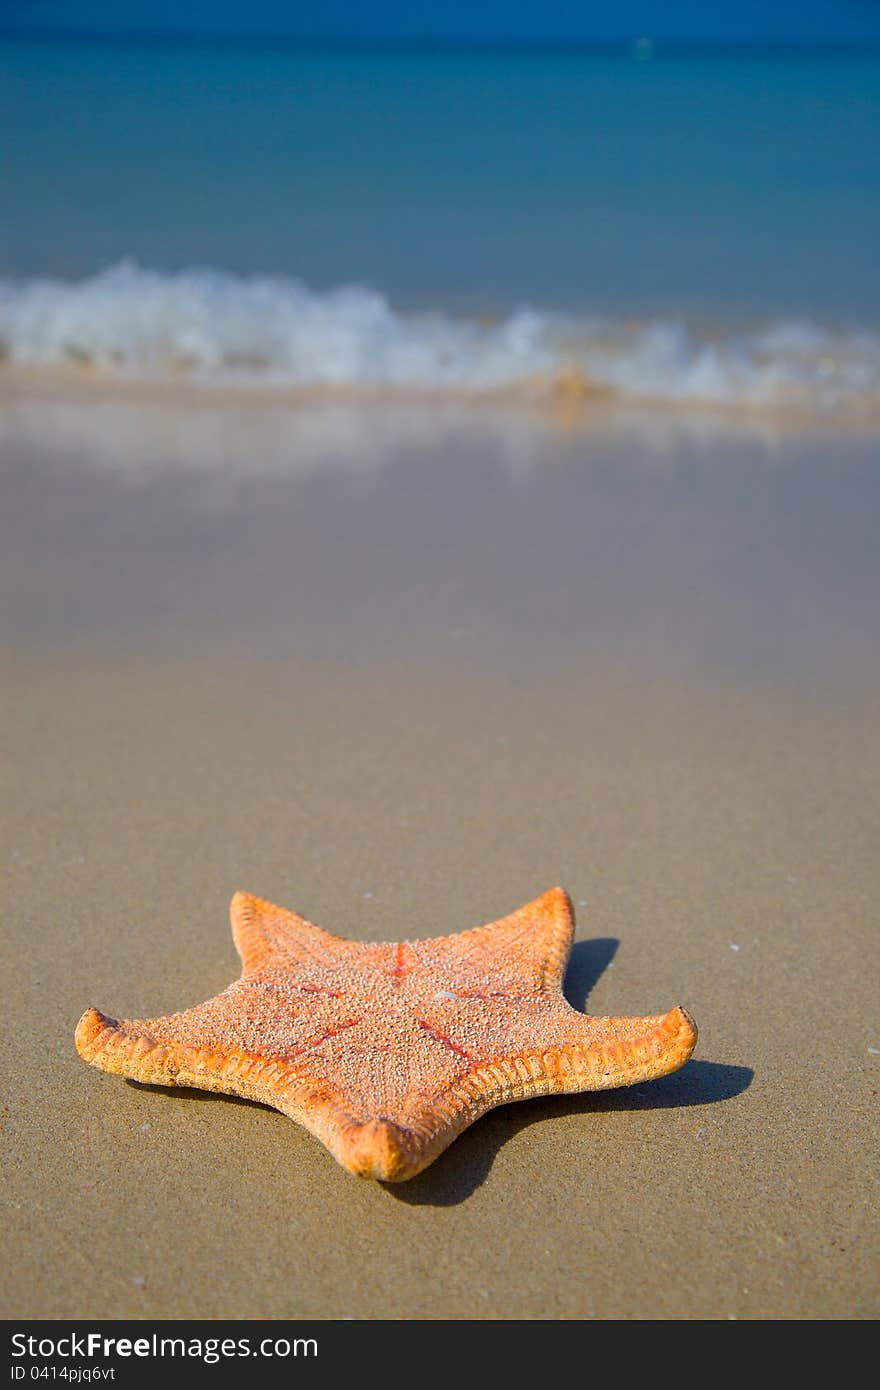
403 669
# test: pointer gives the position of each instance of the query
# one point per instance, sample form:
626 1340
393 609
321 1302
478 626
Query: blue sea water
699 225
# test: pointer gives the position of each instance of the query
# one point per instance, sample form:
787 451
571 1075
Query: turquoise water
735 186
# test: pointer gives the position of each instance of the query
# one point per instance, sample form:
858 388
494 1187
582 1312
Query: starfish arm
612 1052
537 937
130 1048
264 1023
266 934
609 1053
596 1054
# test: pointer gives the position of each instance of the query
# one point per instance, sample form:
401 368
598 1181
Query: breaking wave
214 328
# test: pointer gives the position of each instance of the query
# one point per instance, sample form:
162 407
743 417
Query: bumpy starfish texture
387 1051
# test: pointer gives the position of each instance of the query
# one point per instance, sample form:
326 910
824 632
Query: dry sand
404 670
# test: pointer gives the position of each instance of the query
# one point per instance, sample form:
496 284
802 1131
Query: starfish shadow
193 1093
586 965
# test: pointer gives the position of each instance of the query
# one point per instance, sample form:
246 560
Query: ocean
677 227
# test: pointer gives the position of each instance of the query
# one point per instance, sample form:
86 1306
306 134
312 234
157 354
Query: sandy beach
403 669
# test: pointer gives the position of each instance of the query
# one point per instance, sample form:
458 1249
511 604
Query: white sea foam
212 327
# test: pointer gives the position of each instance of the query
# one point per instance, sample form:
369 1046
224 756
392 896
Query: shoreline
568 399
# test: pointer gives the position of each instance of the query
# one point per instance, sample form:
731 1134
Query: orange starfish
387 1051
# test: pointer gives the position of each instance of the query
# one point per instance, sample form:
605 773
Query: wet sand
404 669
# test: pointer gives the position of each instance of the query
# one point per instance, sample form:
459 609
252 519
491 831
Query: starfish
386 1052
